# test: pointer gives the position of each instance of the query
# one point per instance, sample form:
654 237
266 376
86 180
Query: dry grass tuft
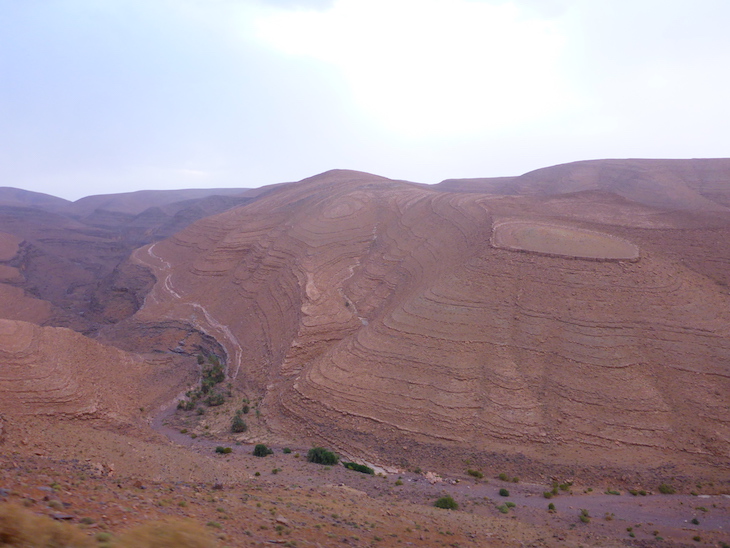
164 534
20 527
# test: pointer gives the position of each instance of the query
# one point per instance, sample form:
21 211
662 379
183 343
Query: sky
108 96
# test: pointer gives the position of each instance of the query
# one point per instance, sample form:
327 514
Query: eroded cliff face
55 373
376 315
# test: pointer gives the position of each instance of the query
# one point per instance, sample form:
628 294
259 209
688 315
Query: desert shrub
164 534
245 409
447 502
695 521
215 399
503 509
548 494
286 450
238 425
223 450
666 489
551 507
503 492
503 477
320 455
475 473
186 405
510 504
261 450
359 468
20 527
584 516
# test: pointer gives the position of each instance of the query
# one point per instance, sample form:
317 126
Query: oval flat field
563 241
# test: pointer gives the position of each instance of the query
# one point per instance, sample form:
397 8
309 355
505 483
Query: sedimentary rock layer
364 309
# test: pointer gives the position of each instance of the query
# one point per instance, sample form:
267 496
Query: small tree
261 450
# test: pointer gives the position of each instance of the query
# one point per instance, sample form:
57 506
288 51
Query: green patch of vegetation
551 507
447 502
261 450
510 504
320 455
584 516
612 492
503 492
223 450
548 494
695 521
503 509
286 450
475 473
238 425
666 489
503 477
359 468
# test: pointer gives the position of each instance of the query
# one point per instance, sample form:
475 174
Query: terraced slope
55 373
377 317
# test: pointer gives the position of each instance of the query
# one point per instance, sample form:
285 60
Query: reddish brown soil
374 317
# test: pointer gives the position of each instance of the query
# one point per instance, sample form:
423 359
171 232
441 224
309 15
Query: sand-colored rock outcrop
376 314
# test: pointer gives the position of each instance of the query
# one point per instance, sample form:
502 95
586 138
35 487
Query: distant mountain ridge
698 184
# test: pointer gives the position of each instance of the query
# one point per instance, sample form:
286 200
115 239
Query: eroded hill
377 316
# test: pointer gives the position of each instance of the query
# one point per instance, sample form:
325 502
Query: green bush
503 492
286 450
585 516
223 450
447 502
320 455
238 425
503 477
475 473
186 405
215 400
359 468
666 489
261 450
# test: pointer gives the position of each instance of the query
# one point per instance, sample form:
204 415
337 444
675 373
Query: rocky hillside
382 318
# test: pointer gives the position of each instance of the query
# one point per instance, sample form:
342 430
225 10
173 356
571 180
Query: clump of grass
584 516
21 528
286 450
158 534
503 492
475 473
223 450
666 489
447 503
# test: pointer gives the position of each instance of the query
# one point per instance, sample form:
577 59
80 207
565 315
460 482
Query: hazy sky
103 96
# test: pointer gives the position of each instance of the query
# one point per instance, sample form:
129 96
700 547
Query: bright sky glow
432 67
119 95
